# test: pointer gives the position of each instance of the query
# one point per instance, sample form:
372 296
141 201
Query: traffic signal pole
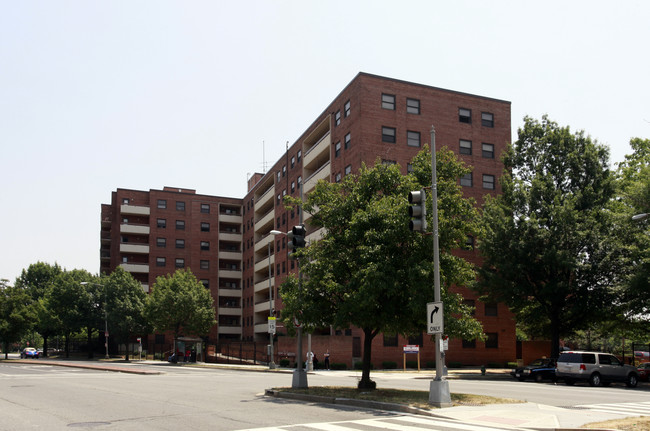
439 394
299 379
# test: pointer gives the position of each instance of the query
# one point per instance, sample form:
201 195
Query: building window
279 175
161 261
470 242
162 204
465 147
161 223
161 242
293 161
180 224
205 208
413 139
465 115
205 264
488 182
125 201
205 245
390 340
491 309
337 149
470 303
388 134
409 167
488 151
466 180
284 170
180 243
206 283
205 227
492 341
347 140
299 155
388 162
416 339
293 186
469 344
346 109
348 169
180 206
337 178
180 263
413 106
487 119
337 118
388 101
299 180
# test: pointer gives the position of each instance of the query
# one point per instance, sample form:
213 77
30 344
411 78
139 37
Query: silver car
596 368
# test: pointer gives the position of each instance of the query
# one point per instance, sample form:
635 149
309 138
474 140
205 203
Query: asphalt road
34 396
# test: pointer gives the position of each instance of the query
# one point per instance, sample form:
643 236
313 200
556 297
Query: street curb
98 366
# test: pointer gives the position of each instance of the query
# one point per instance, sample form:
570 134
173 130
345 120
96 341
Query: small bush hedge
389 365
338 366
359 366
284 363
454 364
412 364
430 364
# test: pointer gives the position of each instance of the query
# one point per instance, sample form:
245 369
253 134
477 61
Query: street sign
271 325
434 318
410 348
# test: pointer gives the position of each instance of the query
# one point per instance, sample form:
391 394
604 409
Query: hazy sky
96 96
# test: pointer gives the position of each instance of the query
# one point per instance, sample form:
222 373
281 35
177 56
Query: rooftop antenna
263 157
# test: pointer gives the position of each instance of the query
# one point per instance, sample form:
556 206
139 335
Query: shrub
359 366
284 363
495 365
430 364
338 366
511 365
454 364
411 364
389 365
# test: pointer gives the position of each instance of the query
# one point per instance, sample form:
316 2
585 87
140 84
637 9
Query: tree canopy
545 243
181 304
16 314
369 270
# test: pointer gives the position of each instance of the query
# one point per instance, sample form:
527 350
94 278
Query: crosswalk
397 423
626 409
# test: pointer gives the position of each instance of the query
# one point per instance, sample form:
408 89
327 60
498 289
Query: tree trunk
555 334
45 346
365 382
90 343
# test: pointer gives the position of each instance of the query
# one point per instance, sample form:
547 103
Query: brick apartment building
373 117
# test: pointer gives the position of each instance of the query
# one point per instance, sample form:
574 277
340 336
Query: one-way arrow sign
434 318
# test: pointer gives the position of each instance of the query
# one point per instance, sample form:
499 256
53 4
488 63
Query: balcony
262 307
266 221
263 265
262 202
140 268
230 255
262 327
134 248
230 236
319 152
135 229
230 218
229 311
134 210
323 173
229 273
263 286
222 329
263 243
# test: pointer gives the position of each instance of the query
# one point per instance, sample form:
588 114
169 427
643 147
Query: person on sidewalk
326 362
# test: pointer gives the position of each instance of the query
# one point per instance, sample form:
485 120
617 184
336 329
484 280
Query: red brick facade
372 118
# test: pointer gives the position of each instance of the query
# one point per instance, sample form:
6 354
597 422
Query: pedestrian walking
326 363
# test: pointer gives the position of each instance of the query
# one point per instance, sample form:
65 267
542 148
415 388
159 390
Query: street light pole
271 363
439 394
84 283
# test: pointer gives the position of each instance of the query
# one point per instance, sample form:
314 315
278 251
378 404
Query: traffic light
296 239
417 211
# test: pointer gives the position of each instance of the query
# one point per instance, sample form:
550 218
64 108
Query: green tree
37 280
369 270
633 236
181 304
125 306
73 305
16 314
545 246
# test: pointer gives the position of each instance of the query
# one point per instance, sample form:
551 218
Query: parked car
644 371
29 352
538 370
596 368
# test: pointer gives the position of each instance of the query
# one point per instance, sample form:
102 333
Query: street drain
88 424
